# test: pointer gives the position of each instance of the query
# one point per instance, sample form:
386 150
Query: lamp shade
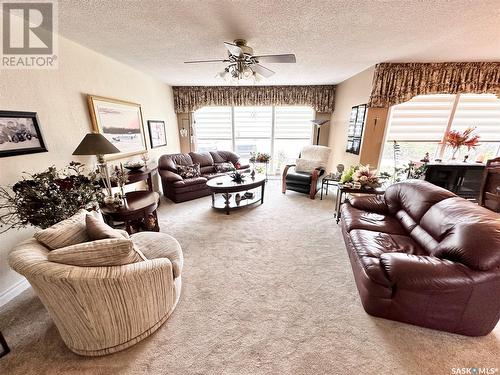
95 144
319 122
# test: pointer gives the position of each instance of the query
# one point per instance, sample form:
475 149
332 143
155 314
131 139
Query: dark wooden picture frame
156 139
17 128
355 130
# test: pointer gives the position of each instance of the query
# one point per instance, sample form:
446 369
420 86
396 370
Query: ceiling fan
243 64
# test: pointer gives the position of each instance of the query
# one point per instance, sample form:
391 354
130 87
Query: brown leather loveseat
178 189
422 255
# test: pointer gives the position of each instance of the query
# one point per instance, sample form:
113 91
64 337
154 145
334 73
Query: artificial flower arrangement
456 139
258 157
361 176
46 198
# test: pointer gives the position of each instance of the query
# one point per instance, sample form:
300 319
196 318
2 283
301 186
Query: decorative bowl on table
133 165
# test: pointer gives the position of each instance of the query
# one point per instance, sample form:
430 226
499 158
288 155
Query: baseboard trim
14 291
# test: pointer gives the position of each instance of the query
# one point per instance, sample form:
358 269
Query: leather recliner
178 189
306 181
422 255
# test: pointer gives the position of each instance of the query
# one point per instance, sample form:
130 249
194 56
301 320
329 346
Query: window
279 131
419 125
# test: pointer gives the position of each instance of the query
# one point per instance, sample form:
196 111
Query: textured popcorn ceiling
332 40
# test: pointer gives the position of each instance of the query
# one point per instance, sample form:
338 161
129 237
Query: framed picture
20 134
157 133
120 122
355 130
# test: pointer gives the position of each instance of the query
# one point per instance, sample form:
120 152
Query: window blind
293 122
213 123
253 122
481 111
423 118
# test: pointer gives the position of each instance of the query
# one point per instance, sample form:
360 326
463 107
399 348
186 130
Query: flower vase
454 153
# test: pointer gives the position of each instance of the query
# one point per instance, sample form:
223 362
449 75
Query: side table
342 189
327 181
138 213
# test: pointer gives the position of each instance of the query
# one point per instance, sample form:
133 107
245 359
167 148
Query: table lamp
97 144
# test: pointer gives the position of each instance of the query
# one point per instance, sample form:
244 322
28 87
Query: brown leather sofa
178 189
422 255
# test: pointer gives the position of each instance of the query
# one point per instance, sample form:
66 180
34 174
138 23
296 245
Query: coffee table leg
5 347
227 196
213 199
262 193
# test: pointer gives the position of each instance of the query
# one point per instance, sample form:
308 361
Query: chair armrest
421 272
168 176
283 180
370 203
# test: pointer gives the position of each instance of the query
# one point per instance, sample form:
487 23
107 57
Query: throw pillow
68 232
237 165
107 252
99 230
306 165
223 167
189 171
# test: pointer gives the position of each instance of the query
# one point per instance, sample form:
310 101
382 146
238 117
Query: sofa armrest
421 272
168 176
370 203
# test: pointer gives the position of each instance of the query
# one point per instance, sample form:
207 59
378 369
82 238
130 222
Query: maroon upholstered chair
422 255
489 196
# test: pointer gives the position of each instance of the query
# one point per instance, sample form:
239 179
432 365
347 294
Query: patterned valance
395 83
191 98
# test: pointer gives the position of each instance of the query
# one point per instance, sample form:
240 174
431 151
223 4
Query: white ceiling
332 40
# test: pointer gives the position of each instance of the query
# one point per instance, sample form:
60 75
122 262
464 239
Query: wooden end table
138 213
342 189
225 185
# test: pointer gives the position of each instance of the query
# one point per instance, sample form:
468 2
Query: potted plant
46 198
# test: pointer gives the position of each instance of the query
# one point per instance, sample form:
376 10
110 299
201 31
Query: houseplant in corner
45 198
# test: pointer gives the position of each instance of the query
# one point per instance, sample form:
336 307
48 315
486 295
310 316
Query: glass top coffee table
234 195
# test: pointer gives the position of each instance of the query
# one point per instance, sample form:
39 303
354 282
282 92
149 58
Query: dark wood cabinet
463 179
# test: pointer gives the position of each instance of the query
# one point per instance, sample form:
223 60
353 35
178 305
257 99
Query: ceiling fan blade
204 61
233 49
262 70
286 58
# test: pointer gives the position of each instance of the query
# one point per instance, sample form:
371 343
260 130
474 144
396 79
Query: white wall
353 91
59 98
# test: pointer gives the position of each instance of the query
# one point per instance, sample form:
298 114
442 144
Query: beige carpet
267 290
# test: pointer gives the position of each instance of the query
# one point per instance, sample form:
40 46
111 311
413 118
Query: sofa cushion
223 167
65 233
224 156
204 159
415 197
190 181
359 219
465 233
99 230
100 253
189 171
171 161
207 170
370 243
160 245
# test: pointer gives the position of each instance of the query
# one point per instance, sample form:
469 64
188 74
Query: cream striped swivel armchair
104 309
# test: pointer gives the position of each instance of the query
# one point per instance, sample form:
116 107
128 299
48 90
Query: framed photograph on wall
120 122
157 133
20 134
